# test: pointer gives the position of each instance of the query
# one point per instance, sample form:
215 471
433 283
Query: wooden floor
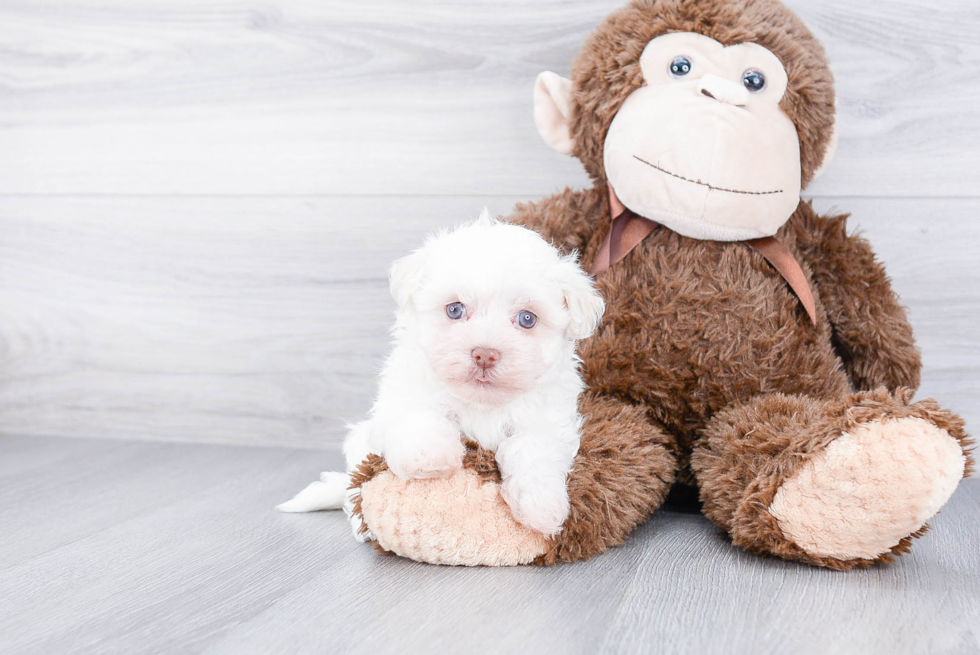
128 547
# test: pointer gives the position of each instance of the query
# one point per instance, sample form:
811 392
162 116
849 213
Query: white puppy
484 348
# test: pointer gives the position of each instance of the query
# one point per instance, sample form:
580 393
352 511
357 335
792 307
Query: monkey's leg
621 475
842 483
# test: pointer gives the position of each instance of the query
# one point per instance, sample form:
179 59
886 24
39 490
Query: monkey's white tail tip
329 492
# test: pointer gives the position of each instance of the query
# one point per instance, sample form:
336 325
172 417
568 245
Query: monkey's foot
870 488
460 519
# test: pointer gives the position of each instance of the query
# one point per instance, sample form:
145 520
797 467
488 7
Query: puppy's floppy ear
405 277
585 304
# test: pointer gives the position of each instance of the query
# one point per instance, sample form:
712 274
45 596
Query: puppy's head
494 308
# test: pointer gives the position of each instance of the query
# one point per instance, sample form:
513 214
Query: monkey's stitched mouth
705 184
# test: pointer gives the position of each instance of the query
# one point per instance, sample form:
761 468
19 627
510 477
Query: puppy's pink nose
485 357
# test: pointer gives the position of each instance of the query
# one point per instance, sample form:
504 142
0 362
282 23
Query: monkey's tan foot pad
459 520
870 488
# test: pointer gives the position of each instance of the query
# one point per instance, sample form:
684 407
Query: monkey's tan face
703 147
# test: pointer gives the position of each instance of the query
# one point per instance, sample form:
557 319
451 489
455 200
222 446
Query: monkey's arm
871 333
562 219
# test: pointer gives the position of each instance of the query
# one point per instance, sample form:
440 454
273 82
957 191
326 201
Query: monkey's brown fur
706 370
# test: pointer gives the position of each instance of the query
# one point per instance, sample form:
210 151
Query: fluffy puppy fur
484 349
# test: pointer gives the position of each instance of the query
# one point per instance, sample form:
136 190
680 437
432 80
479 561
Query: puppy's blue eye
680 67
526 319
754 80
456 310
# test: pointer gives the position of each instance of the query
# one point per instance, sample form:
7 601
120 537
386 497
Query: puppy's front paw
540 504
432 449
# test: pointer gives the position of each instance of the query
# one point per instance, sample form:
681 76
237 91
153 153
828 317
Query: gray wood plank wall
199 200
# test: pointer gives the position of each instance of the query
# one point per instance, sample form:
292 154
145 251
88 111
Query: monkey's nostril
708 93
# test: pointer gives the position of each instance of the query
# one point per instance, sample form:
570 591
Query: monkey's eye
526 319
753 80
680 67
456 310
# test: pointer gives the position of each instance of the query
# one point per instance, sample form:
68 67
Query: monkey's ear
831 148
552 108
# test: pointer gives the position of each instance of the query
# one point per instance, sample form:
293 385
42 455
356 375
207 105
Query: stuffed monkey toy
751 348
